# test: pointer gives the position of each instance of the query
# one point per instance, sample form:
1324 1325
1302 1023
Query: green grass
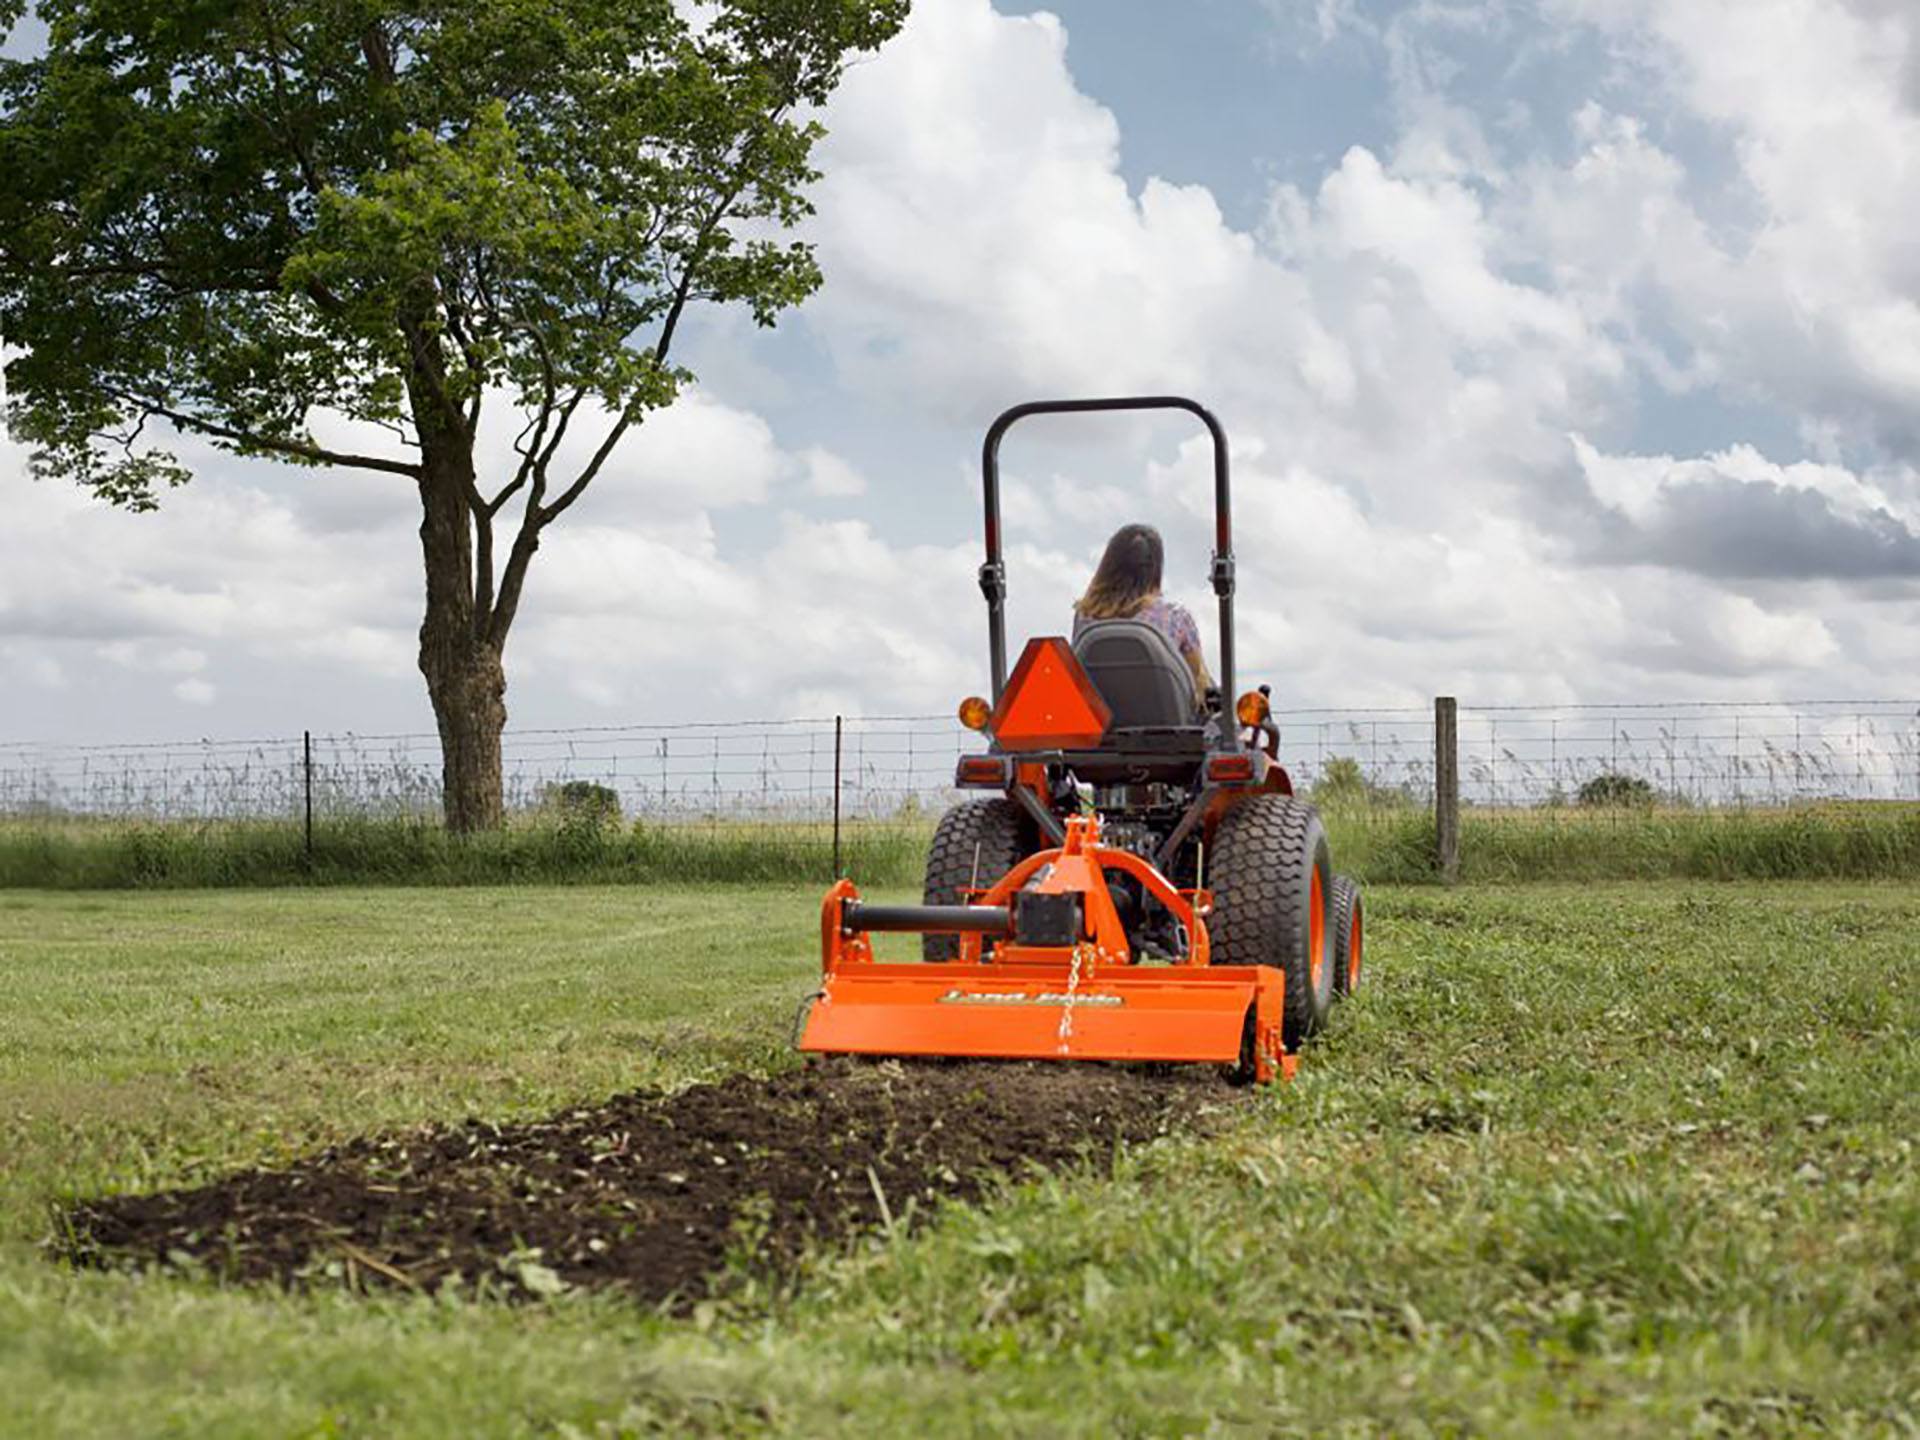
1629 1160
1599 1157
1381 845
118 855
1837 841
1384 845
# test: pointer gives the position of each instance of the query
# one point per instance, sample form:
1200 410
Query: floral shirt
1171 619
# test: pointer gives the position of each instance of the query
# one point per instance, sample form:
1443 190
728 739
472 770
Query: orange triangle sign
1049 703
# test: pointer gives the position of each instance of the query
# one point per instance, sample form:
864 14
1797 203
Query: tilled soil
653 1194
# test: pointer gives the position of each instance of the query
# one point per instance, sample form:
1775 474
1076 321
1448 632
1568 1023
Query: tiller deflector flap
1027 1012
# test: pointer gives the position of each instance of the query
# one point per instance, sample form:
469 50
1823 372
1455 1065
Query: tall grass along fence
1710 789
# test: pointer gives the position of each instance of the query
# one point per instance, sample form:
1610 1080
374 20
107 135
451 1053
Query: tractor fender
1278 782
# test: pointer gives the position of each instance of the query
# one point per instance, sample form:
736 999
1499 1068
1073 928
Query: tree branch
161 272
427 365
482 563
538 493
470 354
288 127
547 515
303 450
537 517
378 53
681 292
550 391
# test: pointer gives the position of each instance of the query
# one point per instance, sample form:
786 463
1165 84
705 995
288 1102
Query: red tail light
982 770
1230 769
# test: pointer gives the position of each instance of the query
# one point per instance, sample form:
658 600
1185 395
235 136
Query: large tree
224 218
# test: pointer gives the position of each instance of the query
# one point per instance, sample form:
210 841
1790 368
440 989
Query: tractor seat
1139 674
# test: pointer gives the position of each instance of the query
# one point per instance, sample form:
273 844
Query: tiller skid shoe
1045 972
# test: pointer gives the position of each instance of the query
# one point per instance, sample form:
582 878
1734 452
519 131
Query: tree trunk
469 705
466 678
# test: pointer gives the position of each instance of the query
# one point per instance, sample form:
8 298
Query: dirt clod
649 1193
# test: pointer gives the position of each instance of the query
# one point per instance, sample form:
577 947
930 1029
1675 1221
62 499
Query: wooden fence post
1446 786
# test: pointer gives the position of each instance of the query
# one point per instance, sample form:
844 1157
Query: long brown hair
1128 576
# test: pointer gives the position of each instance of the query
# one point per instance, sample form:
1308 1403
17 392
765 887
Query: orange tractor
1142 883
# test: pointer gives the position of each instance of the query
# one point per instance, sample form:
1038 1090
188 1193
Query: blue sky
1569 348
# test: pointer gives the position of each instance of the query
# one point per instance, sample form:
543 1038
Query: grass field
1383 844
1627 1159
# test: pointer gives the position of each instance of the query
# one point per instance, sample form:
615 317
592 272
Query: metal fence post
839 723
1446 786
306 753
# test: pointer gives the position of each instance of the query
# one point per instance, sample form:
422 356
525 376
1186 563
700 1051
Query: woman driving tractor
1126 586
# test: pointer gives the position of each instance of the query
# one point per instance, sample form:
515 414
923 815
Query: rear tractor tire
976 842
1271 873
1349 936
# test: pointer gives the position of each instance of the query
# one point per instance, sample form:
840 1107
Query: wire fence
887 768
778 770
1707 755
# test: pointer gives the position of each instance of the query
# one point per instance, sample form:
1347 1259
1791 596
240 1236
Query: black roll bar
993 573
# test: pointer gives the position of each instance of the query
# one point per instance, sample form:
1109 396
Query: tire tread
1263 853
1345 906
998 828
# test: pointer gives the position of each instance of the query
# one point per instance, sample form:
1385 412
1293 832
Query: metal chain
1073 987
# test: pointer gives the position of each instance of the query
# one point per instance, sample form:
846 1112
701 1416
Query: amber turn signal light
974 712
1252 708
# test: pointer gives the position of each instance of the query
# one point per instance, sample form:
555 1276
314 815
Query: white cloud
1637 484
234 572
696 456
1726 636
979 240
1425 358
170 660
830 477
25 665
1314 24
1403 354
1812 302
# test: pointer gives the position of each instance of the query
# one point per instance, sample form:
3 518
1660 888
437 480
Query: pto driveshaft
927 919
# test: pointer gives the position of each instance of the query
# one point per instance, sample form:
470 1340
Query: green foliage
230 216
1612 789
1344 784
1340 781
586 804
